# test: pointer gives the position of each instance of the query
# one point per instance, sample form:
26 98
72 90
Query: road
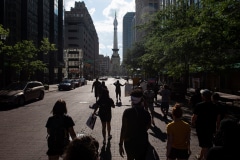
23 133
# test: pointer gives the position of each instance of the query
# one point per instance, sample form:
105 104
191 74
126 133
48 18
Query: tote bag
91 121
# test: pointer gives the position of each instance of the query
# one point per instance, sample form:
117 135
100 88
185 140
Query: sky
103 14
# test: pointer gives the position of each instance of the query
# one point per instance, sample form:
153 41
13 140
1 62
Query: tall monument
115 59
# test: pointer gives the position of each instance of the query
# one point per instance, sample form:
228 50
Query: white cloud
69 4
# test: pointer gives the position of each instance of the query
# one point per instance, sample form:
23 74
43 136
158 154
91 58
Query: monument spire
115 38
115 59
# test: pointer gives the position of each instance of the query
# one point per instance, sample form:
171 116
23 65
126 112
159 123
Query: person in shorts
105 105
204 119
178 136
60 119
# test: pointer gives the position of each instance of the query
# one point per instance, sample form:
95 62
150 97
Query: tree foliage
196 37
23 56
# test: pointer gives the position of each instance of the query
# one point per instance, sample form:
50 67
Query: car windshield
16 86
66 81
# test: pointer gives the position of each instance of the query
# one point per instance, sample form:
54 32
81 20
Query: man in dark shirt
135 123
118 90
96 85
204 119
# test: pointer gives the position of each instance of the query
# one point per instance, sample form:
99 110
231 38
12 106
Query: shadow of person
106 152
162 118
151 153
156 132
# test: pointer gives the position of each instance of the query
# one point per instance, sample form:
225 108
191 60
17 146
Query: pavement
157 134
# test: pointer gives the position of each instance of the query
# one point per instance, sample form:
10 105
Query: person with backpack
59 126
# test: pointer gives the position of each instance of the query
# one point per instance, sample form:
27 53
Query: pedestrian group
218 135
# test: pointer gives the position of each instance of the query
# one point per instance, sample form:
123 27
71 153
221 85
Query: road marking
83 102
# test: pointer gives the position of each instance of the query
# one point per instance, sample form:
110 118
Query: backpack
58 137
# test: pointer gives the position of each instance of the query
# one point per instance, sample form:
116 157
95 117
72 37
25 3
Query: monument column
115 59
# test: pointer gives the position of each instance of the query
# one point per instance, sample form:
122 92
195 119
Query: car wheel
41 96
21 101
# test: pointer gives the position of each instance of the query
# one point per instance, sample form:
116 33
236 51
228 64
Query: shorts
104 117
205 139
178 154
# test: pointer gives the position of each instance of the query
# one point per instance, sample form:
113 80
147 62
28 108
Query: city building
104 62
80 34
128 32
35 20
144 9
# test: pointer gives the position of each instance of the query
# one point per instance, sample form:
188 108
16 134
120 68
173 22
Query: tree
133 57
22 58
187 37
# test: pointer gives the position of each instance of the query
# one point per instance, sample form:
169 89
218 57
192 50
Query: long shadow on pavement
106 152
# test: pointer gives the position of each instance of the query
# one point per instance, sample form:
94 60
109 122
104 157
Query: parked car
67 84
104 78
20 92
83 81
77 82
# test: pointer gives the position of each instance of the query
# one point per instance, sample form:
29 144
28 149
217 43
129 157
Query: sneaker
109 137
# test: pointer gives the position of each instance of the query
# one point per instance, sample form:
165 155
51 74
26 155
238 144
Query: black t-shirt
137 119
67 122
206 116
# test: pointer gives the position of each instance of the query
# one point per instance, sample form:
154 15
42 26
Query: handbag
91 121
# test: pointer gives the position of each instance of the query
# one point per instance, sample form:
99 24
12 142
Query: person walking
135 123
102 87
105 105
221 107
59 126
149 95
118 90
229 135
204 119
178 136
96 86
195 98
165 93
